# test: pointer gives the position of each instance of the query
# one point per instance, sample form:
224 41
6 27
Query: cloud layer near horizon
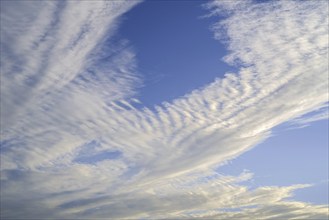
77 143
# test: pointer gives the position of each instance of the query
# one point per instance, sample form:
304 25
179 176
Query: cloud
60 46
76 143
305 120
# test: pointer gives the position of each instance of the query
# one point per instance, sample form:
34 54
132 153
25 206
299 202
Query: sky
164 109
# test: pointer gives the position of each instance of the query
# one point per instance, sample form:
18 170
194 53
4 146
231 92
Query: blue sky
305 160
168 26
164 109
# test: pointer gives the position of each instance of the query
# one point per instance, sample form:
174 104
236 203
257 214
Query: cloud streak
68 96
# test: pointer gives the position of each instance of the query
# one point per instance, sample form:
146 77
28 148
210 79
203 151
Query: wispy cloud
74 145
46 46
305 120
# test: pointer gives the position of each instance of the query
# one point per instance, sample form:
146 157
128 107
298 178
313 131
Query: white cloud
305 120
60 100
61 45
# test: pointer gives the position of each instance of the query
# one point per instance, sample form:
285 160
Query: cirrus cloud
76 145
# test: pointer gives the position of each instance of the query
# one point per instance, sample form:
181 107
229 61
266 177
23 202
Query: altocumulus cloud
74 146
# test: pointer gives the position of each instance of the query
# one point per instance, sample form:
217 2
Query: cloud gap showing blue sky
170 26
102 118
